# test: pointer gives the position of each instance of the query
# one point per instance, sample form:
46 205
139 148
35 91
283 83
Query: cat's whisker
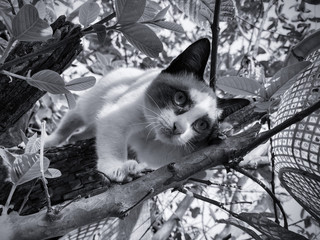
153 101
157 114
151 131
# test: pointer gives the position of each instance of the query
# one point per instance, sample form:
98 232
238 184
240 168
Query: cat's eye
180 98
201 125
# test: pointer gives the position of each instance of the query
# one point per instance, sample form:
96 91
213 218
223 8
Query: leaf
195 212
160 15
143 38
80 84
150 11
201 11
101 32
70 99
88 12
284 78
7 156
52 173
48 80
33 144
27 167
241 225
7 19
268 227
27 26
169 25
129 11
24 137
241 86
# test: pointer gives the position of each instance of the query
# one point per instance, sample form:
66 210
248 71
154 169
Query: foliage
112 34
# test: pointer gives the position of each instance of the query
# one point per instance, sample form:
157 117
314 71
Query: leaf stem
103 20
26 198
6 206
7 50
215 29
43 178
13 75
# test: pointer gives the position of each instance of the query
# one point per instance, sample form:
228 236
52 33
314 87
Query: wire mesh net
296 149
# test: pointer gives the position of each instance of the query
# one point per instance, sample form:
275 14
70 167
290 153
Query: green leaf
284 78
27 167
169 25
70 99
143 38
241 86
52 173
88 12
80 84
47 80
160 15
129 11
27 26
33 144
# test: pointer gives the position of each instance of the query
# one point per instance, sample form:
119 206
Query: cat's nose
176 129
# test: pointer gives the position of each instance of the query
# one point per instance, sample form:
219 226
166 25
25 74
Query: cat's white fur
114 110
123 110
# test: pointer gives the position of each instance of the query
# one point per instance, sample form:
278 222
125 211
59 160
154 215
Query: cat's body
161 115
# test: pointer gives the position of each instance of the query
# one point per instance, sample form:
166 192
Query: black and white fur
161 115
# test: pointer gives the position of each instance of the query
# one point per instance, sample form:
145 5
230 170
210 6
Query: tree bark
16 96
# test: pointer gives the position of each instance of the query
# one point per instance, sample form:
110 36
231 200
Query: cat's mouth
167 135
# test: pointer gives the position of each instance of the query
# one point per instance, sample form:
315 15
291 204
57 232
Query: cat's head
180 107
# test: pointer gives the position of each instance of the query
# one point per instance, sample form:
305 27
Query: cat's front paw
132 167
121 172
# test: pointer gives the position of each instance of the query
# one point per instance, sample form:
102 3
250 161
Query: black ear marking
192 60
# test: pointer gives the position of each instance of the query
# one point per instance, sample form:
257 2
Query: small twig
60 208
140 201
43 178
264 18
215 29
273 188
238 202
26 198
200 197
103 20
267 135
45 50
6 206
12 7
208 182
261 184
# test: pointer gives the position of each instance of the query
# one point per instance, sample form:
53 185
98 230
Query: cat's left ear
192 60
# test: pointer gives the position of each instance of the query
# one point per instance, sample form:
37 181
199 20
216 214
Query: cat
161 114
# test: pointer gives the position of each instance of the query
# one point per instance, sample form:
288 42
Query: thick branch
119 198
17 97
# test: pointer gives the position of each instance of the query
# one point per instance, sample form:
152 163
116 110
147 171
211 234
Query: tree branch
215 29
119 198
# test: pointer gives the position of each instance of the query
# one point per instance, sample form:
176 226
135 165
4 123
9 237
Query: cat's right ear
192 60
